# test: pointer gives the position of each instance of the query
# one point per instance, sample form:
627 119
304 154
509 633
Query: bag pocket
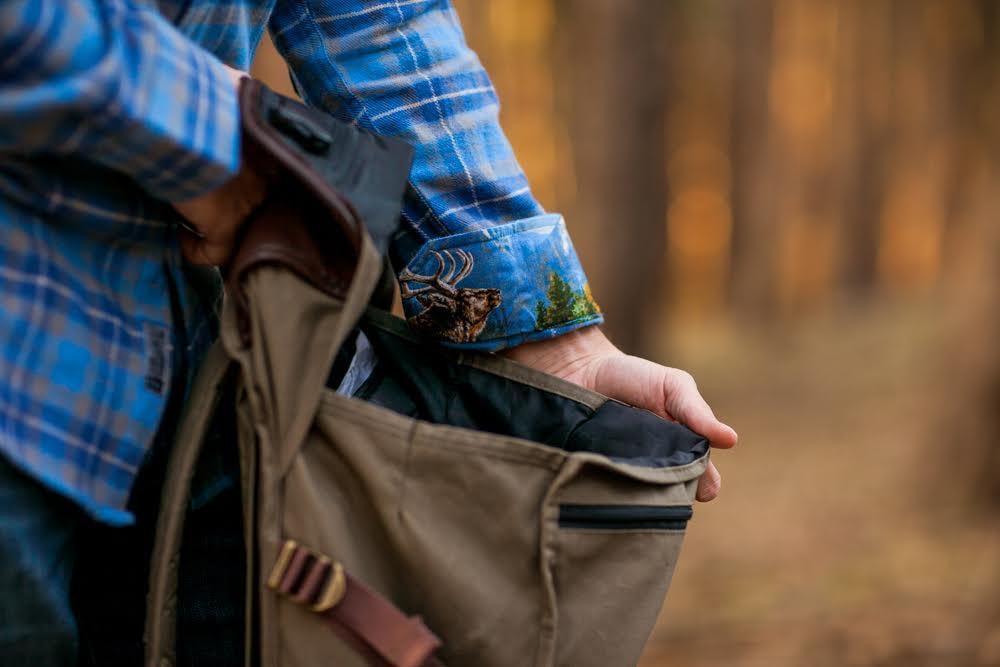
624 517
519 553
612 533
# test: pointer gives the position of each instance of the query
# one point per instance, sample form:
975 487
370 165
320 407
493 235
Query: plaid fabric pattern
110 108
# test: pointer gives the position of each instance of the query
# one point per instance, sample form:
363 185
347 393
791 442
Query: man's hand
586 357
215 217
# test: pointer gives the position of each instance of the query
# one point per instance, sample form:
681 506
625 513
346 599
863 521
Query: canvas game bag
455 509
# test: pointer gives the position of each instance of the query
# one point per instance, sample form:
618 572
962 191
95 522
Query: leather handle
305 225
332 186
277 234
270 151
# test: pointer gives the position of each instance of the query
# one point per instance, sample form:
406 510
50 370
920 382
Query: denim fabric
73 590
38 532
111 580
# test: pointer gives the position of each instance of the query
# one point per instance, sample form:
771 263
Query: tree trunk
755 231
611 80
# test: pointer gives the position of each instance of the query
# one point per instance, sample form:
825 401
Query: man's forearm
113 82
481 264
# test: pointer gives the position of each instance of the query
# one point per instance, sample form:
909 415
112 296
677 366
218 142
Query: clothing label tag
157 350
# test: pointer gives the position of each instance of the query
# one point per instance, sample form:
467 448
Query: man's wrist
575 355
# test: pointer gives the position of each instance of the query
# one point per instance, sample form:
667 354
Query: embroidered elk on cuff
456 314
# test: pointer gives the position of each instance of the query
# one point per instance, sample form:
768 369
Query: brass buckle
334 584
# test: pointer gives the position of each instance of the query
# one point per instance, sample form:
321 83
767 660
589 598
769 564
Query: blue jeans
112 571
73 591
38 548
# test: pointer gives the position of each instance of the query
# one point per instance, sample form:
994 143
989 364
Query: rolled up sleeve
508 271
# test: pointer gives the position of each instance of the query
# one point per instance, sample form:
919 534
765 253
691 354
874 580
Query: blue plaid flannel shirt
110 108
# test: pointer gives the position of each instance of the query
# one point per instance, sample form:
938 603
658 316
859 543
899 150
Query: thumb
212 251
668 392
709 484
685 404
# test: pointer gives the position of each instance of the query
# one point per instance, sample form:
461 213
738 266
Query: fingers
685 404
205 250
668 392
709 484
593 362
235 75
590 360
218 215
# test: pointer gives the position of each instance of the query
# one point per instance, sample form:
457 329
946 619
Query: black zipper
625 517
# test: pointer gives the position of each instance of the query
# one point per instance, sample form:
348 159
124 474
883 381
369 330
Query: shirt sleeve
115 82
481 264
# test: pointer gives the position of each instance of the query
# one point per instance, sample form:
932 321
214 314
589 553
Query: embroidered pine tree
564 304
584 305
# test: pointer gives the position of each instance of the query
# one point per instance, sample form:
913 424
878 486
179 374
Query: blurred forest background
797 201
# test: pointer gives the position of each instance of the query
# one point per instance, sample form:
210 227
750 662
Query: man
119 131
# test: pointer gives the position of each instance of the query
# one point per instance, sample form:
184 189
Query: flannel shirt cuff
498 287
176 130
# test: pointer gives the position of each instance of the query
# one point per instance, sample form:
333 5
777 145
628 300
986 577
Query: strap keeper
308 577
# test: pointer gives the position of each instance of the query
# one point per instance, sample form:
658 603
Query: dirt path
842 536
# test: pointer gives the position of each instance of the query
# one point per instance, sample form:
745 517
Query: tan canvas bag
376 538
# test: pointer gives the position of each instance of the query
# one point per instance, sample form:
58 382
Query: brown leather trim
263 148
396 639
283 230
371 624
313 583
294 572
277 235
